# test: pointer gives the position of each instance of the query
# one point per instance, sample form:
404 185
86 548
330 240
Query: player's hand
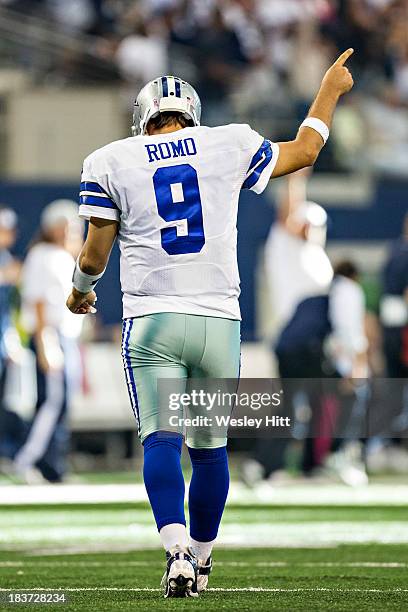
339 78
81 303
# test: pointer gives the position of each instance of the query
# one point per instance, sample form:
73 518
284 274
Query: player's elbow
309 146
310 154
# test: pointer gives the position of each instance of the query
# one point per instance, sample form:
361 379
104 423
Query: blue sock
163 477
208 491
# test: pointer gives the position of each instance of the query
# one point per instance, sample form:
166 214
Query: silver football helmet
165 94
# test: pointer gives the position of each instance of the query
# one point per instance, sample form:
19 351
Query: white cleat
180 578
203 572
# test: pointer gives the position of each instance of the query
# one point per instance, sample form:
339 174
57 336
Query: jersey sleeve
261 156
95 199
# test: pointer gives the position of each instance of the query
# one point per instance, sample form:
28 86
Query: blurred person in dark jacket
220 57
391 454
299 276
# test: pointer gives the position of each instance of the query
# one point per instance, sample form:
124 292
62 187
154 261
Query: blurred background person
299 276
145 40
390 453
348 337
348 351
12 428
54 333
324 340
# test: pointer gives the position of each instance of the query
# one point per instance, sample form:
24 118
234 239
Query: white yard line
365 564
214 590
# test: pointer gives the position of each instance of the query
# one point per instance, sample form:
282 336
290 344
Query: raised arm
91 264
305 149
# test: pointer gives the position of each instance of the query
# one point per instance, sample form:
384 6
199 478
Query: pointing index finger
344 57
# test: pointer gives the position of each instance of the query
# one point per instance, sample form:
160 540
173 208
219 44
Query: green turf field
359 577
100 557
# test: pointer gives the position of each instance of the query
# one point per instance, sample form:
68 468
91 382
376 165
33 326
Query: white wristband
318 126
84 283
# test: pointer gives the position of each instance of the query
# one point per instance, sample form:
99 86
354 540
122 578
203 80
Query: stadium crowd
248 58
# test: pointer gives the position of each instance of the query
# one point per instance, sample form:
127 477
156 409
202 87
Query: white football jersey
176 198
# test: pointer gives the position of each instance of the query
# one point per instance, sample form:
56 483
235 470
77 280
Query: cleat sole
180 580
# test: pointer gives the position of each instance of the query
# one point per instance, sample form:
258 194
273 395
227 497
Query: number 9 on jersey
179 204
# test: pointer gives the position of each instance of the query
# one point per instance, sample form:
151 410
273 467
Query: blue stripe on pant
127 364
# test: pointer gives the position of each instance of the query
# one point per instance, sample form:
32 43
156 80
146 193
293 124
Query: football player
170 195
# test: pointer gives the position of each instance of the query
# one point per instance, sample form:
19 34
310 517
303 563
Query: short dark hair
169 118
346 268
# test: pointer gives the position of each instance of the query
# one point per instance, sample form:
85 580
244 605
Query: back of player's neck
168 129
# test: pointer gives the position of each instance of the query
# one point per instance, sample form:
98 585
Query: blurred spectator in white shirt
347 312
297 265
348 350
141 57
54 332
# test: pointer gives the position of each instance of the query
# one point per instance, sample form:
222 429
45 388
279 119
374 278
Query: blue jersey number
178 200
